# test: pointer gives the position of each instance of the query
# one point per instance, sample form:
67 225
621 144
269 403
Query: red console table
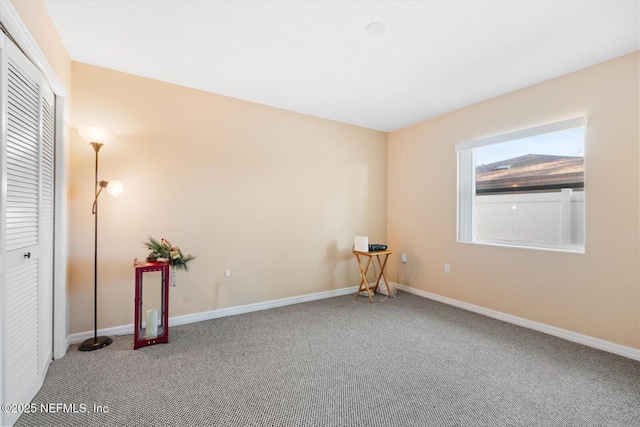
141 338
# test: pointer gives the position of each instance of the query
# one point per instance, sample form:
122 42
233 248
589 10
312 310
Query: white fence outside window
531 219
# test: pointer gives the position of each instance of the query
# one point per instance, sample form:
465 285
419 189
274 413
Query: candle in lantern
152 323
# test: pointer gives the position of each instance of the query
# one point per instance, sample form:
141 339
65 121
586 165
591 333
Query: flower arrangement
164 251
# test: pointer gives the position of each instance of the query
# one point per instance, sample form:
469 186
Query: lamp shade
115 188
96 134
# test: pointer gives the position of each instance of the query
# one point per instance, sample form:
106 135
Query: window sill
572 249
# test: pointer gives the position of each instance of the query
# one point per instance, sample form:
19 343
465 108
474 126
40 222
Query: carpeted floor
407 361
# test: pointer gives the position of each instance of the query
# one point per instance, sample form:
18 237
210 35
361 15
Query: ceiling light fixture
375 28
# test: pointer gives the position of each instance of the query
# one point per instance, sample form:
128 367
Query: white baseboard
597 343
214 314
621 350
60 349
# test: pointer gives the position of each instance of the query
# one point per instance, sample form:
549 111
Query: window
525 188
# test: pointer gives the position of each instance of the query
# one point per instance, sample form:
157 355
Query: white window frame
466 185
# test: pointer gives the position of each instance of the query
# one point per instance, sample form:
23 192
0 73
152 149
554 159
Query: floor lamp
97 137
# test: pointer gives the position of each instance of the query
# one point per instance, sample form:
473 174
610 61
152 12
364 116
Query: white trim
466 196
23 38
524 133
60 236
536 246
599 344
621 350
3 124
221 312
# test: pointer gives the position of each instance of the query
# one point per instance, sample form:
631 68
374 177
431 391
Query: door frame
20 33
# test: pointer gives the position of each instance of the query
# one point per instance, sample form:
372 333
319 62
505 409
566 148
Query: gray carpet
344 362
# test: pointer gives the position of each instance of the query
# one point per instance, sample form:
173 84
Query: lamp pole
96 342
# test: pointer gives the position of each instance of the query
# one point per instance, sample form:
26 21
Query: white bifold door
26 229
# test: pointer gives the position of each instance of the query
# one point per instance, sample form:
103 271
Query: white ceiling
315 57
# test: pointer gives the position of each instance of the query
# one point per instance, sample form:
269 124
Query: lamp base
95 343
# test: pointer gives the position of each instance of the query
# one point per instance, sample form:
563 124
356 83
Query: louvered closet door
27 228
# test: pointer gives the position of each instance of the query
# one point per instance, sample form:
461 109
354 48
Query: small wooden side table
140 338
364 284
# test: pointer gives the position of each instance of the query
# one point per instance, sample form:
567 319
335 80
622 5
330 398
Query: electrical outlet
403 257
447 268
227 273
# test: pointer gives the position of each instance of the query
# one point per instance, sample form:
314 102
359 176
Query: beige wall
597 293
275 196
